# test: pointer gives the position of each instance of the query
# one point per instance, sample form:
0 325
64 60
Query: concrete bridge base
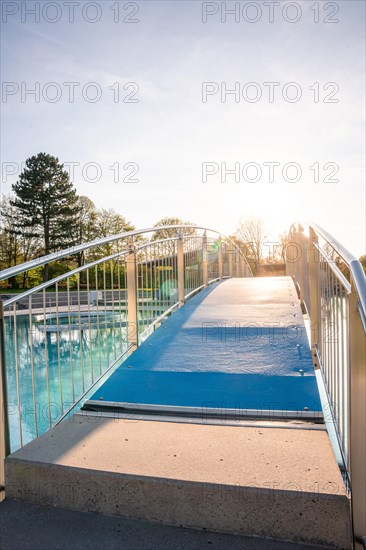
280 482
45 527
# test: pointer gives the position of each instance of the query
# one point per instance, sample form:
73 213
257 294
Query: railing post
357 373
301 263
4 431
241 264
313 259
237 263
229 256
288 263
219 259
132 298
180 267
204 260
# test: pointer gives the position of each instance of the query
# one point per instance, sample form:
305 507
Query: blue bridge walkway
239 345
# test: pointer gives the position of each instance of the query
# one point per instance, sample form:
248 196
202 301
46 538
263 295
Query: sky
134 98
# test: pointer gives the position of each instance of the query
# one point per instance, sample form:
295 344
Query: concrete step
280 482
29 526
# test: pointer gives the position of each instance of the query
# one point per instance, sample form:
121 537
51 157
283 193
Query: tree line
45 214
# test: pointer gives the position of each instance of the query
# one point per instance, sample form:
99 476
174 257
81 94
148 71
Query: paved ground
25 526
240 343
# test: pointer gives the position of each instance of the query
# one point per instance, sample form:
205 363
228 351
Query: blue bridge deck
240 344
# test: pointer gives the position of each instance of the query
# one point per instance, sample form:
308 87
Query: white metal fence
332 287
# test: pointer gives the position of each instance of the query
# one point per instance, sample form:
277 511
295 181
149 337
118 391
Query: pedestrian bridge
161 380
219 353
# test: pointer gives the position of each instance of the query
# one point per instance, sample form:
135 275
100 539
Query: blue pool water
56 362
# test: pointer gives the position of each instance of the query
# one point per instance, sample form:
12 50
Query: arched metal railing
332 287
60 338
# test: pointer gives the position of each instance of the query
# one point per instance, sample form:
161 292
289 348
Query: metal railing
332 287
60 338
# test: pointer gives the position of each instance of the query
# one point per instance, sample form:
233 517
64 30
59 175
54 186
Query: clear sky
168 124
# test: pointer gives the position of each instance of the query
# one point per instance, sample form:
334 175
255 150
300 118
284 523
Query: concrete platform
238 344
275 482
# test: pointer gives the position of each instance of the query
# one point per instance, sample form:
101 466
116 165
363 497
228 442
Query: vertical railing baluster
17 375
80 333
69 306
112 323
88 330
204 260
220 258
99 336
4 413
343 368
229 256
31 351
313 259
58 335
180 267
119 304
132 328
46 358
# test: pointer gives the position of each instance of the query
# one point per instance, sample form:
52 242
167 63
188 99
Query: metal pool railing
332 287
60 338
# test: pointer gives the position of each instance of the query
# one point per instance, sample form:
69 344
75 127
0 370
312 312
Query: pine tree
47 203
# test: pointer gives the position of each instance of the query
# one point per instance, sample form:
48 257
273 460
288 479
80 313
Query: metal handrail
359 280
42 260
75 271
336 304
52 282
354 265
334 268
339 248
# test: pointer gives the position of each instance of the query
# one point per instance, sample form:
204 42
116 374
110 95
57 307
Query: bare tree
169 248
281 250
251 233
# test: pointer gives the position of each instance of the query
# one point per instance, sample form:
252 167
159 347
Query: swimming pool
51 362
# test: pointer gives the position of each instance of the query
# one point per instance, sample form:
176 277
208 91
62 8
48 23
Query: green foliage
46 202
108 223
46 215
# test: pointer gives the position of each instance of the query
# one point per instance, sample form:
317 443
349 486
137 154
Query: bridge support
180 267
132 319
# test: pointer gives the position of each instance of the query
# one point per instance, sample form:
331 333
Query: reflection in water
56 363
